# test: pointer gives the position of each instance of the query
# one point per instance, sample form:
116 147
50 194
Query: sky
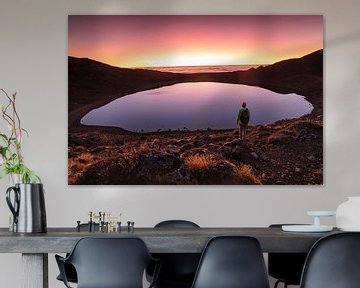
152 41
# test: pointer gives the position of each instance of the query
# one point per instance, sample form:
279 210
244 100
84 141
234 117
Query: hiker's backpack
245 116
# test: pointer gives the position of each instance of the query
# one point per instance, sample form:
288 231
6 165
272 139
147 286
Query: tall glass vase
14 179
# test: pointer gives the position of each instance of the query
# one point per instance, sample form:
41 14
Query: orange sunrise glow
152 41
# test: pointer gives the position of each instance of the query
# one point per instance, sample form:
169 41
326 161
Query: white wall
33 62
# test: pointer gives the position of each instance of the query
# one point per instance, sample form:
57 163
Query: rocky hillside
287 152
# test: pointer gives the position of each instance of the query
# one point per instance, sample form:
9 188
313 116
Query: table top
158 240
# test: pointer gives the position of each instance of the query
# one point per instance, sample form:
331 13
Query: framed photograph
195 100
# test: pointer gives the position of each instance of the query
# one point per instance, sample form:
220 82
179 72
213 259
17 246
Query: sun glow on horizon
196 59
169 41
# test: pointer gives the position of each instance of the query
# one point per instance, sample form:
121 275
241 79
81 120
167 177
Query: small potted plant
25 197
11 159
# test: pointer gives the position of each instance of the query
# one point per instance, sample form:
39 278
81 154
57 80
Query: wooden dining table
35 247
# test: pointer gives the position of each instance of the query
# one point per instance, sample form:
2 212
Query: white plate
321 213
306 228
350 229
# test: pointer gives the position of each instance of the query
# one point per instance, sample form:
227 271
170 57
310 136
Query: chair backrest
232 262
176 224
286 266
333 262
177 267
110 262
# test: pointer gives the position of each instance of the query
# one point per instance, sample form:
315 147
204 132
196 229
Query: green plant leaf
4 173
3 151
33 177
4 137
27 175
26 132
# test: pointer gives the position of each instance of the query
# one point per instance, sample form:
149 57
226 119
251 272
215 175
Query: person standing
243 120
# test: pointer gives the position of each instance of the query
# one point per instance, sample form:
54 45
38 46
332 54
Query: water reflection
199 105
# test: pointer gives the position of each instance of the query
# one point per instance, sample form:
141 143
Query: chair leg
278 282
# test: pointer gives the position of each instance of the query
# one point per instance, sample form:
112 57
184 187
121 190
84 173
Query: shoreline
93 84
75 116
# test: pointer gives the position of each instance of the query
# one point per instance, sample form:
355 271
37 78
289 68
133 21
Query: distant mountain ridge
310 63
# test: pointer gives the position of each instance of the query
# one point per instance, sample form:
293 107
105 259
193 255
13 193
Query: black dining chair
333 262
178 269
232 262
70 271
286 267
108 263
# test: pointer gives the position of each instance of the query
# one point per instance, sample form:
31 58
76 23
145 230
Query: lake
198 105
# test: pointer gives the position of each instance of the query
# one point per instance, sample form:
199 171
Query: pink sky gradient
147 41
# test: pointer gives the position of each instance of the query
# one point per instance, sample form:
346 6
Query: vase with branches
11 158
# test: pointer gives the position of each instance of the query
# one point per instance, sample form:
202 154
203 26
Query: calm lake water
198 105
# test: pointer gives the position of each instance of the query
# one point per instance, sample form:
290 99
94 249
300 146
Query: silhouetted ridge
91 80
309 64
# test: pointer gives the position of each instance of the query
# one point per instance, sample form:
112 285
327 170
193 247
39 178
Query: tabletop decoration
25 197
12 160
315 227
348 214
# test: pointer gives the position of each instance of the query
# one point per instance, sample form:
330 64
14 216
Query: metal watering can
28 208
